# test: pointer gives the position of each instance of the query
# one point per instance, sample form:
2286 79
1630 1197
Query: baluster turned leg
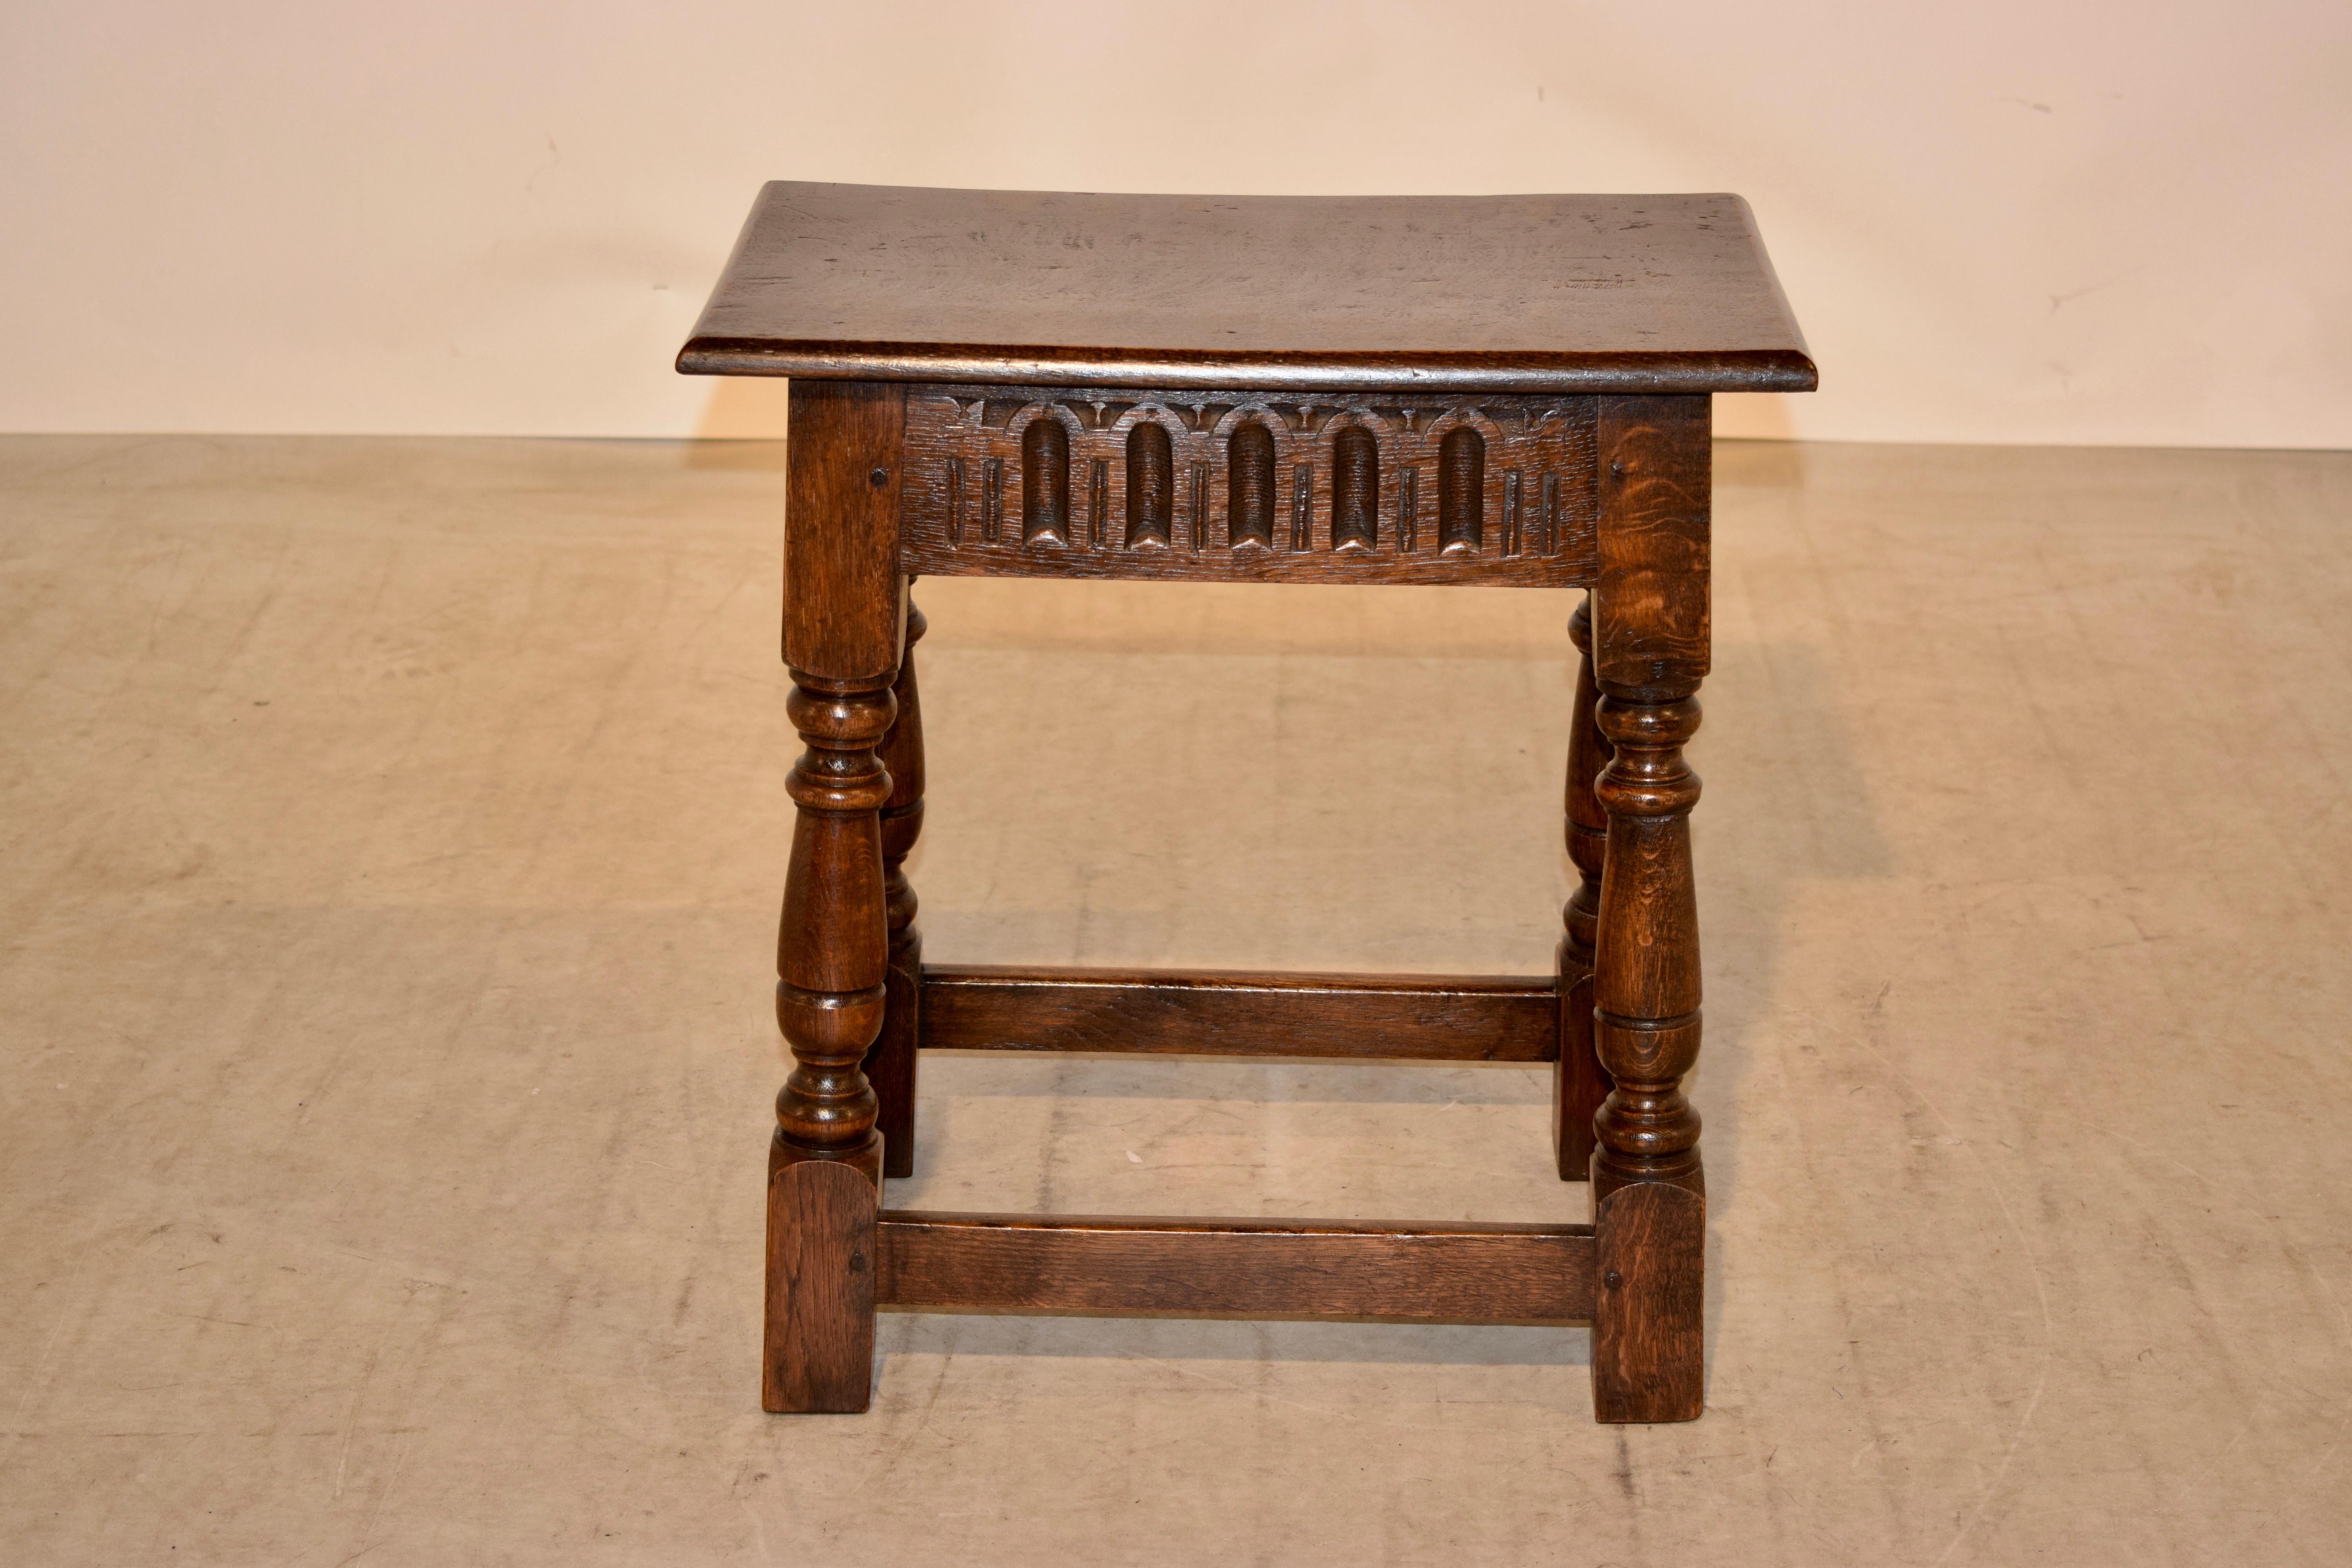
842 640
1646 981
1577 1083
1650 641
890 1065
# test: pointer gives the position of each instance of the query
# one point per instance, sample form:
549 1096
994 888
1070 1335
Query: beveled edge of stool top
1622 294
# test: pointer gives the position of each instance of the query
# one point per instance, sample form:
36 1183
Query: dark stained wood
1427 1017
1648 1319
1650 638
1530 294
1650 597
819 1354
844 605
1579 1084
1462 493
1251 455
1355 491
1485 389
833 941
843 621
1646 984
842 629
1374 489
1045 484
890 1065
1304 1268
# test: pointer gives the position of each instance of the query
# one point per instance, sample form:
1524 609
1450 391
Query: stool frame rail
887 482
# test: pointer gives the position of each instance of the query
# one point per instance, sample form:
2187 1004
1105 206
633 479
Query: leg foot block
819 1344
1648 1329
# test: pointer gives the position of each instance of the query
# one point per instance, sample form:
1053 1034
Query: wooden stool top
1606 294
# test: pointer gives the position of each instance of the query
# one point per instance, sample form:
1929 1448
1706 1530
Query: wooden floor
392 832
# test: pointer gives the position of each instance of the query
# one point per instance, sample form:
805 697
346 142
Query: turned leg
890 1065
1578 1082
1650 640
842 640
1647 1186
1645 1015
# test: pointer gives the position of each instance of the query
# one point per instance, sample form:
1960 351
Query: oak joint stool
1489 391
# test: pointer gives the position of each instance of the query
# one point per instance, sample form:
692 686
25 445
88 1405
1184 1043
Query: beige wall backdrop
2001 222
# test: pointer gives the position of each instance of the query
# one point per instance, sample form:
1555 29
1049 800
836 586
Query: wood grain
1650 649
1646 984
1307 1268
1372 489
819 1345
1530 293
1648 1312
843 471
1650 595
1579 1082
1413 390
843 626
1426 1018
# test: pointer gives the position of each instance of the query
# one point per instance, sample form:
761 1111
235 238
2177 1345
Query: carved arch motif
1321 489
